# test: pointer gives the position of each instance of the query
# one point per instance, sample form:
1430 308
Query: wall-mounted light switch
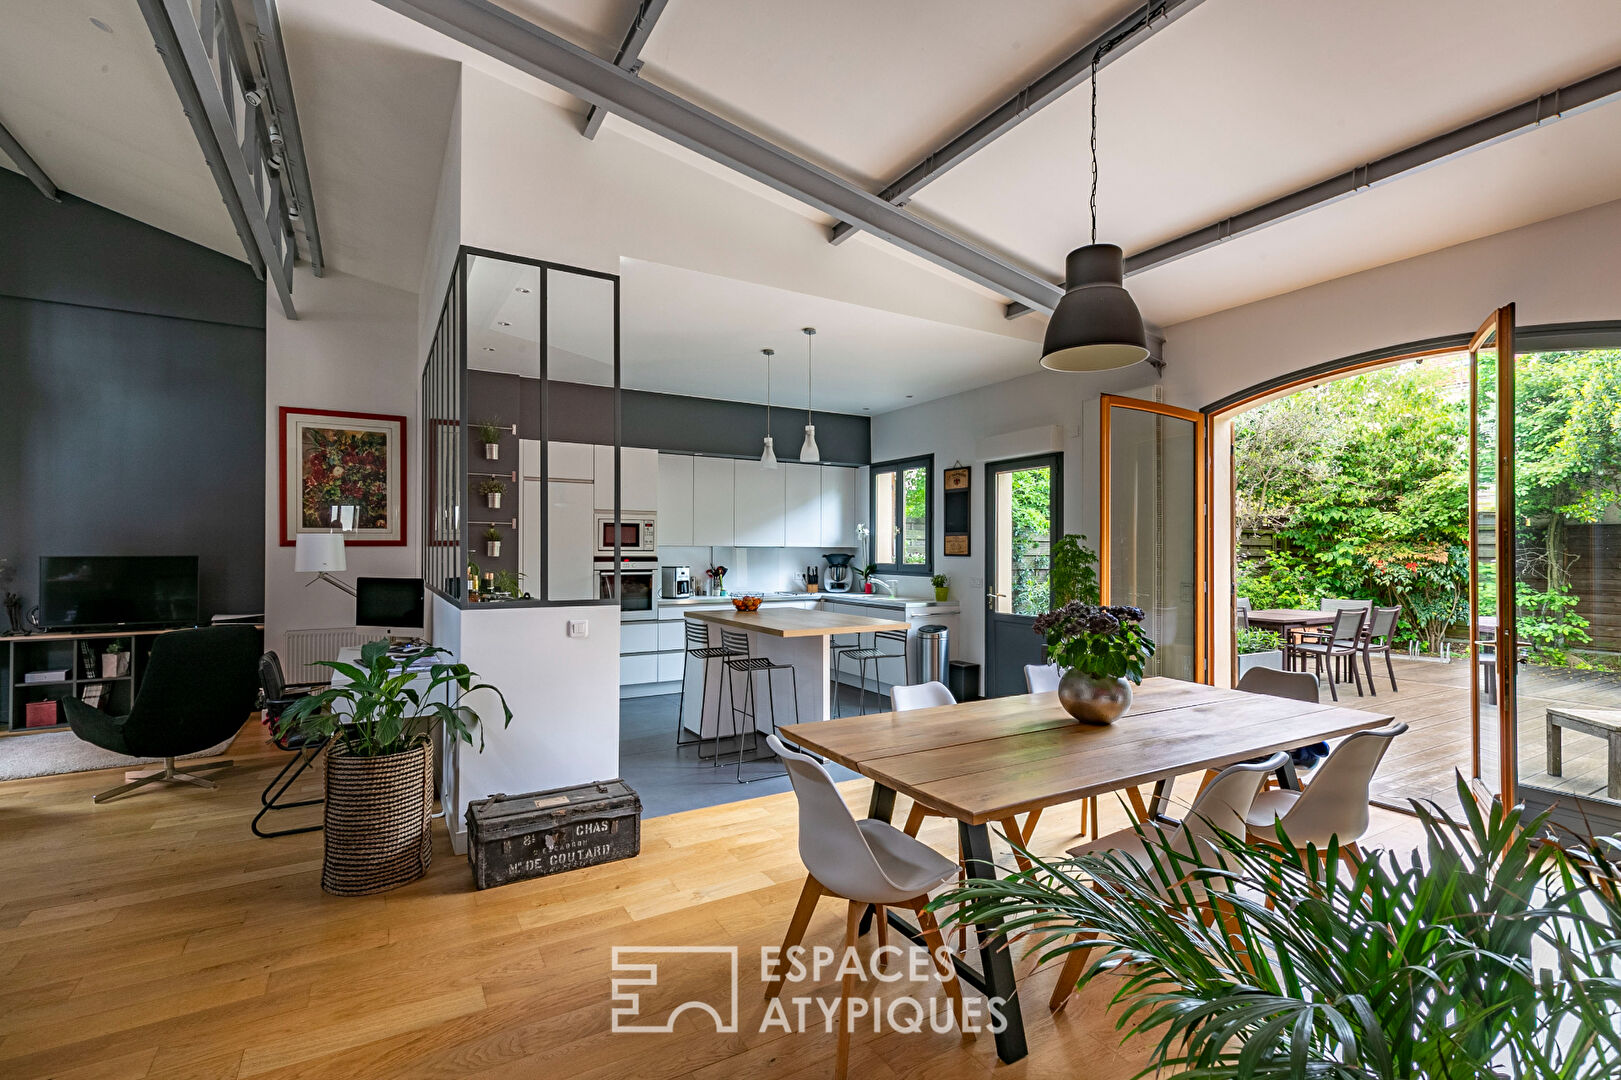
579 628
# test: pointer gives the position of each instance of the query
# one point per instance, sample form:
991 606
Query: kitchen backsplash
750 569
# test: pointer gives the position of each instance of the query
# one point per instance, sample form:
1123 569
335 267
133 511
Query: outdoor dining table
985 761
1286 619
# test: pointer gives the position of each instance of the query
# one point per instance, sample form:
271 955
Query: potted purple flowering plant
1101 650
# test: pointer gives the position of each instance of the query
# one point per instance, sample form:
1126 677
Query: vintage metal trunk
515 837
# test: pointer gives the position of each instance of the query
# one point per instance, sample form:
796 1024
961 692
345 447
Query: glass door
1154 546
1491 548
1025 515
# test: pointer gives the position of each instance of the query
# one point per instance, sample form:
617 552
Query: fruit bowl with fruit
746 601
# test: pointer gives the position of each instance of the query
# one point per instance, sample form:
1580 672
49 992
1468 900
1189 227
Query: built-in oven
638 586
634 532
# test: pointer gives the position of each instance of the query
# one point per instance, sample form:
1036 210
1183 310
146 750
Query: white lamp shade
768 456
810 452
319 553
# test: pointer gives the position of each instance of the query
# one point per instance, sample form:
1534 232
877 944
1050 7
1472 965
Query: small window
902 508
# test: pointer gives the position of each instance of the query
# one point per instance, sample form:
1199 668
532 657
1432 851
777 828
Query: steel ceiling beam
511 40
1527 116
641 28
27 165
273 64
1118 40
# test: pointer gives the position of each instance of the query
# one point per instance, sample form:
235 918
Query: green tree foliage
1032 532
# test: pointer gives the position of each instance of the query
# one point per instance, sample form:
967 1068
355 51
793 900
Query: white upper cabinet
712 522
638 479
803 499
565 461
675 500
838 517
759 502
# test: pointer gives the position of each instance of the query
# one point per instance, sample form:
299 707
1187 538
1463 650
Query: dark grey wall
132 396
670 422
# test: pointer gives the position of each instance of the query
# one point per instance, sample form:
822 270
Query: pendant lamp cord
810 367
1097 58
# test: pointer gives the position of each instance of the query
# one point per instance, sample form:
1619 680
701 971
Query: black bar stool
749 667
698 648
876 654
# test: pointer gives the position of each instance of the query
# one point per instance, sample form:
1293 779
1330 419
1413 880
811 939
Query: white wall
563 693
1560 270
971 427
353 348
444 234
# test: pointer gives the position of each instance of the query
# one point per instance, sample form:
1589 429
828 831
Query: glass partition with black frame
522 410
902 511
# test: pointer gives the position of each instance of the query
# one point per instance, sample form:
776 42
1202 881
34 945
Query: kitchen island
794 636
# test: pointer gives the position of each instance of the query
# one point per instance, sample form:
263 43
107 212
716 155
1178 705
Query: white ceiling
503 322
1237 102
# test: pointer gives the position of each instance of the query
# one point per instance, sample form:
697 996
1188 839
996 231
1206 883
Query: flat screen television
93 592
388 602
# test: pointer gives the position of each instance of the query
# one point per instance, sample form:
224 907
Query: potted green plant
489 433
942 586
114 660
1102 651
1498 954
866 573
492 490
492 542
379 761
508 584
1258 649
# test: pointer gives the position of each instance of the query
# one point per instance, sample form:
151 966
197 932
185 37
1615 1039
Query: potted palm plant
1101 651
489 433
492 542
492 490
1498 954
379 761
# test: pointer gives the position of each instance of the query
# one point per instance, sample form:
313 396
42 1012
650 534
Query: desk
983 761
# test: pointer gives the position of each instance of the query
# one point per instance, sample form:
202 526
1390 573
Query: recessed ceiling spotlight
908 395
99 25
489 348
521 289
503 324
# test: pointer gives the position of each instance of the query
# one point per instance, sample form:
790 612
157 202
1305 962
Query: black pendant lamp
1096 326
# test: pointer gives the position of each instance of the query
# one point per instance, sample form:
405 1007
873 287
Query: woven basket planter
377 814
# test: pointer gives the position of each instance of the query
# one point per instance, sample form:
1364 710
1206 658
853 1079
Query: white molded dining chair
1334 806
1043 679
931 695
863 862
1221 807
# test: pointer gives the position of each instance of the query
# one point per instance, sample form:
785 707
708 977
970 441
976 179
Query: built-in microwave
638 592
634 532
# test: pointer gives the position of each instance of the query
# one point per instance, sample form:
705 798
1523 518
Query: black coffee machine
838 573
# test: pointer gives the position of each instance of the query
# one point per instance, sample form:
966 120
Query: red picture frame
298 426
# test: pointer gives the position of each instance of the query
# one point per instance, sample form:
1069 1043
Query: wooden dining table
1286 619
985 761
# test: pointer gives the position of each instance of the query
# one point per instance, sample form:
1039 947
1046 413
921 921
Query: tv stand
23 653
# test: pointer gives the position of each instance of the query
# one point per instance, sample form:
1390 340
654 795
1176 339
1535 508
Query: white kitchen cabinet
671 666
638 637
712 483
758 500
802 526
569 524
672 635
634 670
838 508
638 479
565 461
675 500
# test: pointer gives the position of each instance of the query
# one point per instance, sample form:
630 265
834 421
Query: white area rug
52 752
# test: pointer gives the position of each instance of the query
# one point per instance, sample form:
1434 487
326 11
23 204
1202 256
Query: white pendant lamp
768 456
809 452
1096 326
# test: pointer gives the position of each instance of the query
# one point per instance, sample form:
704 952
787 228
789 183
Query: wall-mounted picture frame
343 470
955 509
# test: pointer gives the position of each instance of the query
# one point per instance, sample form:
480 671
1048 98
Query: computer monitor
388 602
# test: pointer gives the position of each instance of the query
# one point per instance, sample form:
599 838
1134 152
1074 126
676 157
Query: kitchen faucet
888 588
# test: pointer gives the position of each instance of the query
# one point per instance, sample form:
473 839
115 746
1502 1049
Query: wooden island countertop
797 622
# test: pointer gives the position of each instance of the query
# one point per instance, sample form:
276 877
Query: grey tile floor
671 780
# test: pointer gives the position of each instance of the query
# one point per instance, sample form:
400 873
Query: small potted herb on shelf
378 728
489 433
942 586
492 490
114 660
492 542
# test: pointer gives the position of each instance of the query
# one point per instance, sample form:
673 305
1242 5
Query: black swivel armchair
279 694
199 688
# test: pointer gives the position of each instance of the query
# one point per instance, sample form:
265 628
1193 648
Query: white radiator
304 647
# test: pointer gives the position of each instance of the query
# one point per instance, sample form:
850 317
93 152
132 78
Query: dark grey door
1023 516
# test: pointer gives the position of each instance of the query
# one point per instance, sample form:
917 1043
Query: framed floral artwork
343 470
